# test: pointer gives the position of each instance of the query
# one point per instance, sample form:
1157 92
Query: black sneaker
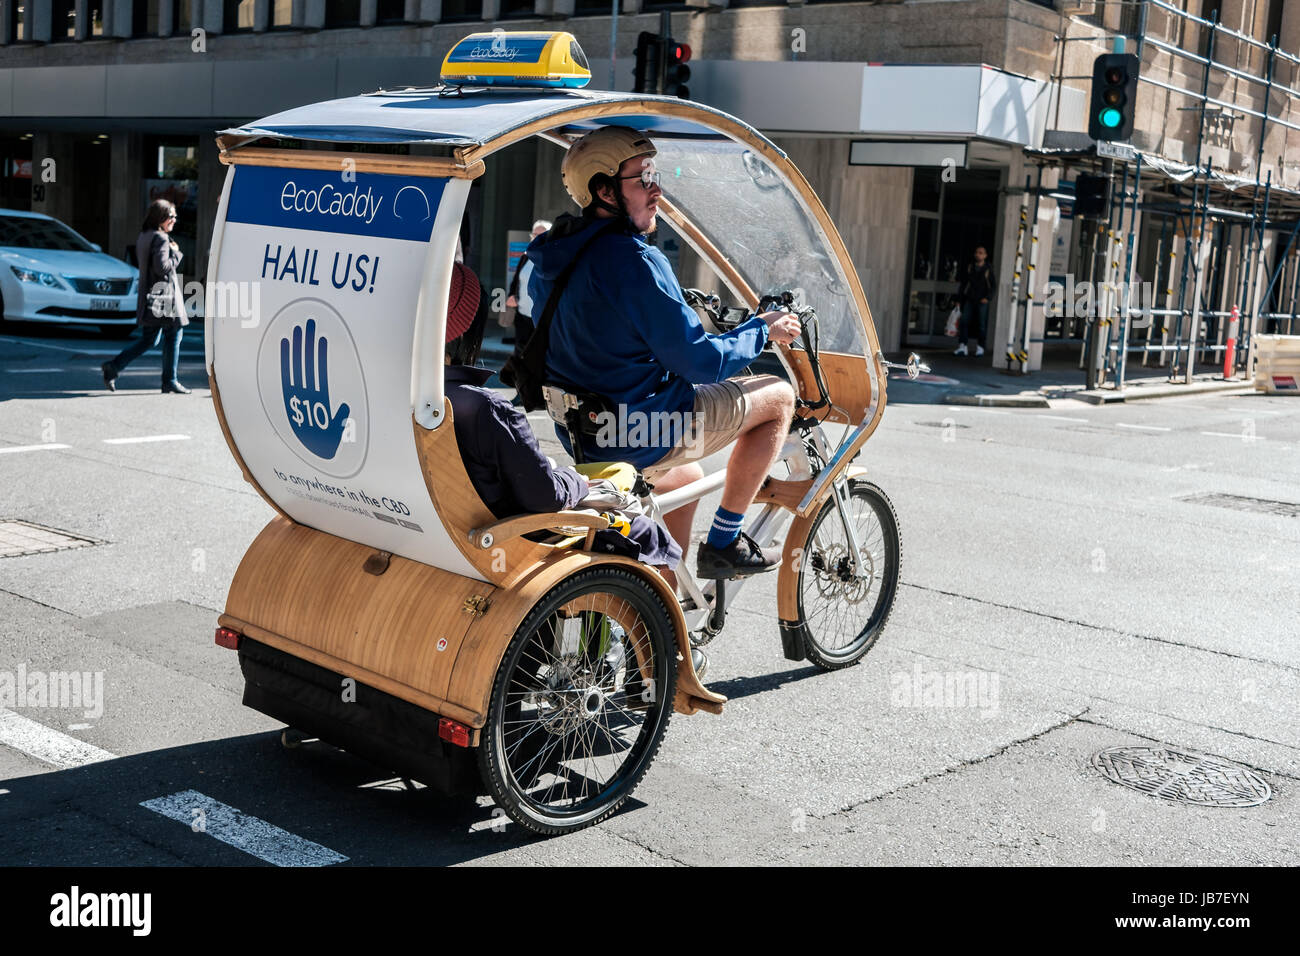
175 388
740 558
110 374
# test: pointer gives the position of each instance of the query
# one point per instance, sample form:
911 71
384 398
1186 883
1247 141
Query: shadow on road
91 815
737 687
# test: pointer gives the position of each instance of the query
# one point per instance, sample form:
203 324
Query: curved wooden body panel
307 593
847 378
425 635
787 581
422 634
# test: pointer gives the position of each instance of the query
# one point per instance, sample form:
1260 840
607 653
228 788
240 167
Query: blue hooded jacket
622 329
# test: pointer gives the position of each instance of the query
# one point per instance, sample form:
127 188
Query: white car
49 273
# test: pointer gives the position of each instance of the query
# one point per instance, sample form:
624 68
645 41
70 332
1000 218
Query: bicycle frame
698 600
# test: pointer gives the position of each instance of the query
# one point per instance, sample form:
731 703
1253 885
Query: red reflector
228 638
453 732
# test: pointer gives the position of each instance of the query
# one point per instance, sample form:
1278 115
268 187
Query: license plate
104 305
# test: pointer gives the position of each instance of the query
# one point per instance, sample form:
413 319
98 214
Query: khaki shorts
719 412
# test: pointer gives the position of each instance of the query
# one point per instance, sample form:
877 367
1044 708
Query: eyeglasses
648 177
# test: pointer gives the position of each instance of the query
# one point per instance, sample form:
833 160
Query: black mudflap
376 726
792 640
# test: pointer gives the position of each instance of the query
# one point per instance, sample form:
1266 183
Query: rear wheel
844 605
580 702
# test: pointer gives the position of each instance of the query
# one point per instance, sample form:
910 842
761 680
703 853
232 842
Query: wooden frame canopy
477 124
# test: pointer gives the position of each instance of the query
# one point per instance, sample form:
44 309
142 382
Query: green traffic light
1111 118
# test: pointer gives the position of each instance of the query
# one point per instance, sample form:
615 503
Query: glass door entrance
948 221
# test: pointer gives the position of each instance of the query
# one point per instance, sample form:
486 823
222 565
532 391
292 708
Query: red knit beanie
462 300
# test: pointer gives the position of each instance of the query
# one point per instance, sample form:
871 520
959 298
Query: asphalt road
1059 556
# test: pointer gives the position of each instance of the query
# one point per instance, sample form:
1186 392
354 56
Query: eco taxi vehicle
384 609
51 274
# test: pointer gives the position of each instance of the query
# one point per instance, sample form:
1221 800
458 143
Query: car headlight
40 278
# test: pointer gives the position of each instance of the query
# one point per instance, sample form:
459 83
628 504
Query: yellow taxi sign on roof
517 59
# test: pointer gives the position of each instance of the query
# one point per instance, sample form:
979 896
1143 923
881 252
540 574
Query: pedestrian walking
519 299
159 304
973 295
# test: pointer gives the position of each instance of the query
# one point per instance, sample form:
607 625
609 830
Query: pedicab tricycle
384 608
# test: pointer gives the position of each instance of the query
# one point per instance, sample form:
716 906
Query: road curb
1109 396
1022 400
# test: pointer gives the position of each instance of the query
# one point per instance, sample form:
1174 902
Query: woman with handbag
160 306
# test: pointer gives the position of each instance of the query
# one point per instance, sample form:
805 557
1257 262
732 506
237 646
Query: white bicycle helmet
601 151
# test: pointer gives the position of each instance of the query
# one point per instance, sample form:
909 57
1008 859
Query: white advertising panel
315 377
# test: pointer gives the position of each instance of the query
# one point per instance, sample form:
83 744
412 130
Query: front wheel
580 702
844 604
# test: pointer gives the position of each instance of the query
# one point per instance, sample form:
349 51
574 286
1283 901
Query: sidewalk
966 380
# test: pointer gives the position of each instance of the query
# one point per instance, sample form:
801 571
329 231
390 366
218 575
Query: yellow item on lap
619 473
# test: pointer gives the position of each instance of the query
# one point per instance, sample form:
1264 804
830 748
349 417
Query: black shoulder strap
553 300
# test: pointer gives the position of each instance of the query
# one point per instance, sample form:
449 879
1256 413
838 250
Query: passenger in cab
623 329
499 450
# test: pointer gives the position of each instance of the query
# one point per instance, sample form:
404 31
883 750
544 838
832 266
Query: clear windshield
23 233
749 212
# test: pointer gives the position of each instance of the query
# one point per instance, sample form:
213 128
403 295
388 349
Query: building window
518 9
391 11
461 10
589 8
237 16
19 28
342 13
1210 10
144 18
281 14
63 20
182 16
1273 27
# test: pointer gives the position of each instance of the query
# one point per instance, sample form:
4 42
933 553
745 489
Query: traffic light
646 73
1114 96
676 72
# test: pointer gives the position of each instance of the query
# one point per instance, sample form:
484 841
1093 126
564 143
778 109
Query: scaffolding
1218 241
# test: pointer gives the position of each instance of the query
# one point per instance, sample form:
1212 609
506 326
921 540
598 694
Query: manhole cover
1287 509
1182 777
23 537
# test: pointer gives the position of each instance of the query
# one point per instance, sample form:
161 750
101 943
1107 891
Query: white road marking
31 371
144 438
47 744
1145 428
235 828
46 446
1237 435
1064 418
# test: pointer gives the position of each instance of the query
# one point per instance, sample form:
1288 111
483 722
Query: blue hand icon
307 393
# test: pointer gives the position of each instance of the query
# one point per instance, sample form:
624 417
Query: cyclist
500 454
623 329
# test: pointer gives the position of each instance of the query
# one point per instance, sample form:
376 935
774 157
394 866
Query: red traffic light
679 52
1116 75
